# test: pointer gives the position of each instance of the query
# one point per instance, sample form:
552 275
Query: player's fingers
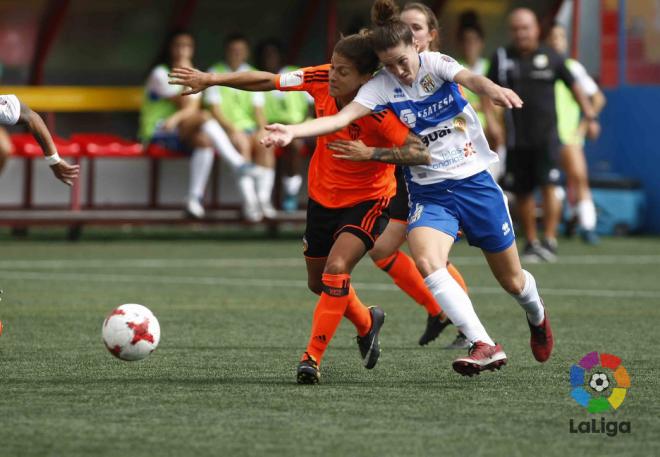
189 92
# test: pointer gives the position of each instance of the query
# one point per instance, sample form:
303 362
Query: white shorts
10 109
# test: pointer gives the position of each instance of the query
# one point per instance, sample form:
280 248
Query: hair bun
384 12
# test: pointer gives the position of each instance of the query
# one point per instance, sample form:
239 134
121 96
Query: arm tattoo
413 152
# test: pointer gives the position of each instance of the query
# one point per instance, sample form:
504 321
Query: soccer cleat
590 237
308 370
194 208
252 212
481 357
541 339
290 203
460 342
434 327
268 210
368 344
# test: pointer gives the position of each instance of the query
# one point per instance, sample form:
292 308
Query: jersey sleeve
309 79
564 73
443 65
580 74
372 95
392 128
159 86
10 109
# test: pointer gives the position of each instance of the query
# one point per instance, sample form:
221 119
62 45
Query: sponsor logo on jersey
468 149
540 61
398 92
433 136
292 79
436 107
408 117
460 123
505 228
427 83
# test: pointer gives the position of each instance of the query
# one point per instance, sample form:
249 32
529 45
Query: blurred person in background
178 123
531 69
285 108
572 132
241 114
470 38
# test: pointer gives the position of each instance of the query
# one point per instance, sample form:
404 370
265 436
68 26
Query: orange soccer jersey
338 183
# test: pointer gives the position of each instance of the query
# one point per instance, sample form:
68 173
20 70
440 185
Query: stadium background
103 43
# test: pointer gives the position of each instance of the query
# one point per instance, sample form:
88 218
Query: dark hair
164 56
469 21
235 36
358 48
431 21
389 31
260 50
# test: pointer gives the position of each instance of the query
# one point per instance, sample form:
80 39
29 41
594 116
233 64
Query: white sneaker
269 211
252 213
194 208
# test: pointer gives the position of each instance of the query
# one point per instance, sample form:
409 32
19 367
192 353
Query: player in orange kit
348 206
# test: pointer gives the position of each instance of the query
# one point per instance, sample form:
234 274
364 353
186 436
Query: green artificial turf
235 317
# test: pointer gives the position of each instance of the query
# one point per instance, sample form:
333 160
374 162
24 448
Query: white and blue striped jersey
436 110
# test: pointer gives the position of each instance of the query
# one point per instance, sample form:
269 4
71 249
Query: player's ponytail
359 50
388 31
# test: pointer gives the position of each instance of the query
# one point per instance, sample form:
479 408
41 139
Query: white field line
270 283
606 259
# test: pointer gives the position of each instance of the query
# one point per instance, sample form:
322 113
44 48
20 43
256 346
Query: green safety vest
236 105
286 107
568 111
472 98
153 111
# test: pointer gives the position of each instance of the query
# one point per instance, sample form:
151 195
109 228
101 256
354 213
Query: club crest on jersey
427 83
414 217
354 131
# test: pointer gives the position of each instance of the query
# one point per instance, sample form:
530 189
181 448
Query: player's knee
381 251
427 265
336 267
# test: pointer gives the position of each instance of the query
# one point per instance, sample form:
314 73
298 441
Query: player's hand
593 129
193 80
277 135
65 172
504 97
356 151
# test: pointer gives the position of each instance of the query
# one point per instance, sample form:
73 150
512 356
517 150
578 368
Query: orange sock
457 276
328 313
357 313
403 271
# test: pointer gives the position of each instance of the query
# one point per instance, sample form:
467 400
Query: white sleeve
10 109
442 65
258 99
158 84
212 95
373 95
586 82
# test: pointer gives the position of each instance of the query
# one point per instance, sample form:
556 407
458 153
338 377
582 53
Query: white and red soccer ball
131 332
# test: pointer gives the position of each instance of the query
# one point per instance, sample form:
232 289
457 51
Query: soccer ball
131 332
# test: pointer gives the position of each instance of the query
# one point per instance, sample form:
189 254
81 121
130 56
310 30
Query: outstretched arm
62 170
281 135
197 81
412 152
481 85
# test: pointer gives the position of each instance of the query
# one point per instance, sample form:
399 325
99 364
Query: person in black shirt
531 69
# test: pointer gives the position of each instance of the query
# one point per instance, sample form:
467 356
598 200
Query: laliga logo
599 384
